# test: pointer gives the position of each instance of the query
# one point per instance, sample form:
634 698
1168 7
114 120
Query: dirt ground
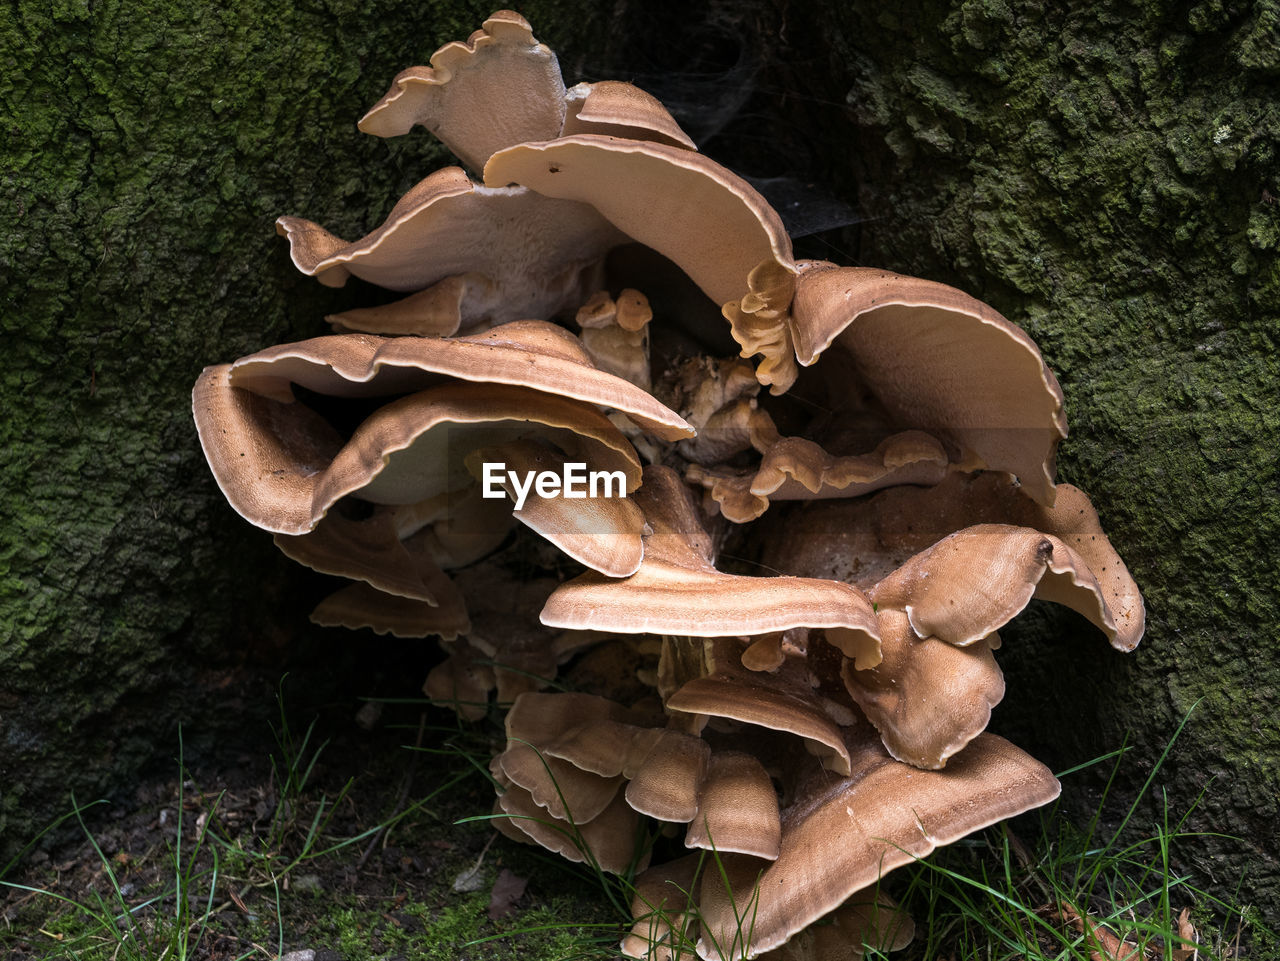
231 854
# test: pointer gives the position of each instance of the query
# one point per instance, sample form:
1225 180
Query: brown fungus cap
360 605
677 589
367 550
532 256
466 301
709 221
500 87
868 920
608 839
842 835
737 808
664 768
663 908
603 532
976 580
462 681
927 698
865 541
396 456
940 361
616 109
566 791
793 468
530 353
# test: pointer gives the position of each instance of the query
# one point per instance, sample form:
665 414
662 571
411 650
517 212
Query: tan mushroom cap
531 353
462 681
662 906
616 109
976 580
678 591
537 254
608 839
927 698
791 710
869 919
499 88
842 835
738 808
864 541
940 361
666 784
663 768
455 528
463 301
566 791
710 222
367 550
396 456
360 605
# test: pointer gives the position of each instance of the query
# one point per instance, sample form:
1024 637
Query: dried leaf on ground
1103 945
1186 931
507 890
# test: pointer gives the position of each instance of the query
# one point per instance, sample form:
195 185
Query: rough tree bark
1106 176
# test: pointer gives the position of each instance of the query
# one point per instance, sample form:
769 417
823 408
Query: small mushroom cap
666 784
840 836
738 808
609 839
567 792
678 591
612 108
360 605
537 255
869 919
461 301
461 681
927 698
664 769
794 468
661 906
363 550
939 361
602 532
532 354
760 702
710 222
500 87
542 719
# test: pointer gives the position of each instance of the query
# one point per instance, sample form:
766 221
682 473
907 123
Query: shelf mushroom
931 512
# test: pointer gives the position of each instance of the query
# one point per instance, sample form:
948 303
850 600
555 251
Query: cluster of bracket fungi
897 479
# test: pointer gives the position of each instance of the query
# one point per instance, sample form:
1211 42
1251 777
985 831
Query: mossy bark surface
1105 175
